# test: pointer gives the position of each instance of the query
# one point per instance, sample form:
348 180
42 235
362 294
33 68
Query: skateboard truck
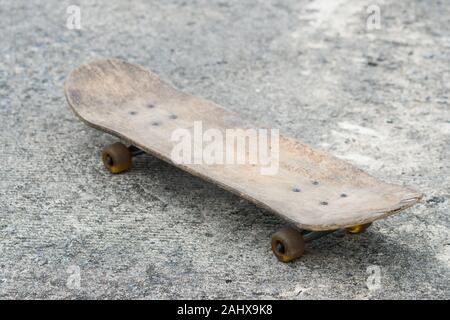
135 151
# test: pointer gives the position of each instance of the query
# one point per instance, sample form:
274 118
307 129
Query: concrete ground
376 97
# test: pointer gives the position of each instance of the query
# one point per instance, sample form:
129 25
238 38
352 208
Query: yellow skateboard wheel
358 229
116 157
288 244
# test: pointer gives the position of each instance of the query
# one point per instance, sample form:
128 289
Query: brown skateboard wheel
288 244
116 157
359 228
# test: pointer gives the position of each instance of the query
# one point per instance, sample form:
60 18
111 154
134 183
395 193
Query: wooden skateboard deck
312 189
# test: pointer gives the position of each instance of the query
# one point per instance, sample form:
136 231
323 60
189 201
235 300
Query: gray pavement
377 98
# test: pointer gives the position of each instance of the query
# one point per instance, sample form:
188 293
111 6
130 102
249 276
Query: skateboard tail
366 217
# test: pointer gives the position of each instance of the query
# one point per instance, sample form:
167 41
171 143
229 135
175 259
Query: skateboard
314 191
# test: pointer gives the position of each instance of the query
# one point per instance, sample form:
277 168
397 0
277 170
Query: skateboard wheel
359 228
116 157
288 244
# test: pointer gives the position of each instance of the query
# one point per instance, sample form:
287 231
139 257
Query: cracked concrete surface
377 98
